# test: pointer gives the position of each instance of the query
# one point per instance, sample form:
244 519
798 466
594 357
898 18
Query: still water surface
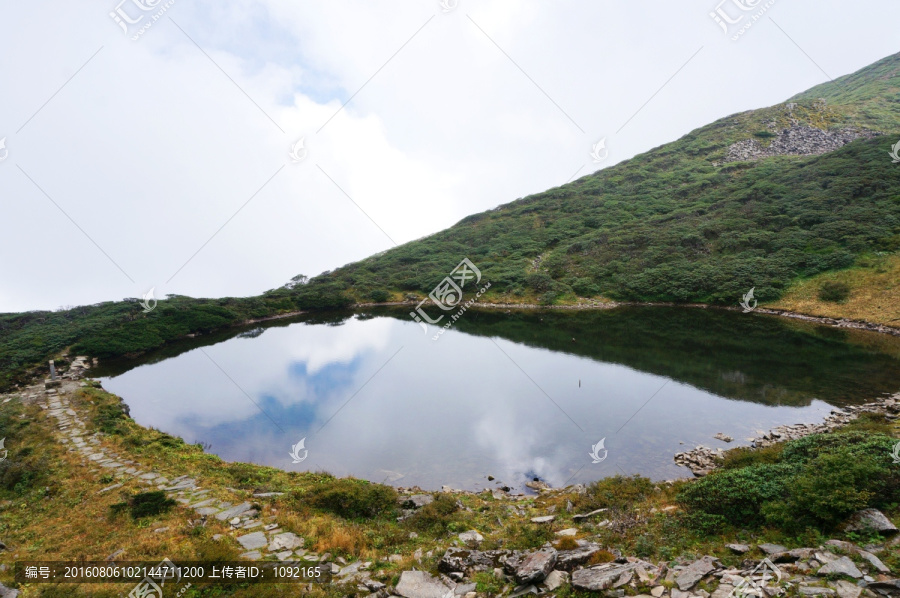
515 395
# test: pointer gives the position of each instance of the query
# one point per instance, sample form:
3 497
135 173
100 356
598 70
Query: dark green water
515 395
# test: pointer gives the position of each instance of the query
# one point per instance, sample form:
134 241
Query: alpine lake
511 394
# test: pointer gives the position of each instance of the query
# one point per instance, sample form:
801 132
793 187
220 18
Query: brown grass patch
874 292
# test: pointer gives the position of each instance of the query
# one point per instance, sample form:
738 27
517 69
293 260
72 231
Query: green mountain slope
687 221
690 221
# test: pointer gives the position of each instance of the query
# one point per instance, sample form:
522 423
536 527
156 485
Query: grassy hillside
678 223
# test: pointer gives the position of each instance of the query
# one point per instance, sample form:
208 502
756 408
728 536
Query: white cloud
151 148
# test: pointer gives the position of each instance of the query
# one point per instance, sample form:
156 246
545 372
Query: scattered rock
737 549
723 437
723 591
772 548
798 140
417 501
535 567
471 538
569 559
461 560
890 585
845 589
854 549
537 485
657 591
418 584
6 592
523 590
599 578
557 578
695 572
870 519
588 515
567 532
791 556
815 591
841 566
544 519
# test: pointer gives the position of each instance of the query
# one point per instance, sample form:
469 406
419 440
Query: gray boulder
462 559
772 548
815 591
845 589
738 548
599 578
693 573
870 519
416 501
418 584
841 566
556 579
471 538
891 586
567 560
535 567
790 556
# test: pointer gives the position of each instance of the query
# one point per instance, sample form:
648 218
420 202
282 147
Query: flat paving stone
253 541
234 511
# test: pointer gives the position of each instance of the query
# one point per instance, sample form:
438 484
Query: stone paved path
256 532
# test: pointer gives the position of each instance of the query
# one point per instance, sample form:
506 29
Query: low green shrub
435 517
834 292
350 498
737 495
616 492
745 456
145 504
830 488
813 482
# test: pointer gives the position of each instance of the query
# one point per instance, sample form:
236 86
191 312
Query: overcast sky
164 161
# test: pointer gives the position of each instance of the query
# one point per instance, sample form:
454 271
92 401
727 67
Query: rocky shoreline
702 459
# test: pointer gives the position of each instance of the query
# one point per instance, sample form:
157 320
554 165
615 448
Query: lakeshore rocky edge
571 561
